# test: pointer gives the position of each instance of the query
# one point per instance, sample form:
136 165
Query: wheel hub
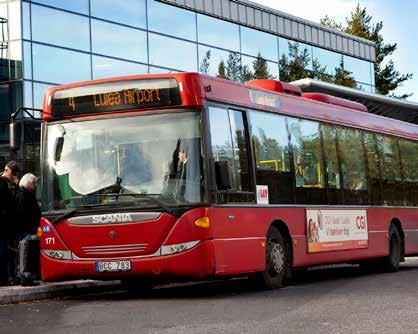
277 256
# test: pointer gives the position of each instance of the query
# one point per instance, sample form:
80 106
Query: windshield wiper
66 214
150 197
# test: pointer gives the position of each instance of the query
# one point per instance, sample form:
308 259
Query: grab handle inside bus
223 175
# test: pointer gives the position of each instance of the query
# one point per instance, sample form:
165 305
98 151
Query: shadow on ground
239 286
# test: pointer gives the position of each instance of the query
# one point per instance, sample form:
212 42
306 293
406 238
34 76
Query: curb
17 294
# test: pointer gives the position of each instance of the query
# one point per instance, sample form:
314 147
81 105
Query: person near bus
28 215
8 238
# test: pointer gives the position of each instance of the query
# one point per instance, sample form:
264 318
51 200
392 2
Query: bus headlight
58 254
177 248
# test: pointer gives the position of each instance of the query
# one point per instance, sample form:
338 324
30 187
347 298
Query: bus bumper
197 262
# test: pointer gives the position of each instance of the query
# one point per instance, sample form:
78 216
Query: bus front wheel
277 268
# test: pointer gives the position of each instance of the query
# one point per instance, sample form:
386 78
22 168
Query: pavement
18 293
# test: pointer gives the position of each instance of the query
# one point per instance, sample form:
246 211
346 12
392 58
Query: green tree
260 67
387 78
204 65
343 77
233 66
246 74
221 70
294 66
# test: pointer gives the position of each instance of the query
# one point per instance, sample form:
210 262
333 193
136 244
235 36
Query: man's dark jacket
7 211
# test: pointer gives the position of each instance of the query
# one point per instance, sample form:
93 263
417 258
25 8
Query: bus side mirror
58 145
14 136
223 175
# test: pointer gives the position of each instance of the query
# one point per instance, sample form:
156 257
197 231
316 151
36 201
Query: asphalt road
336 300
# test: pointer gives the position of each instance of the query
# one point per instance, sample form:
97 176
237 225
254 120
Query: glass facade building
49 42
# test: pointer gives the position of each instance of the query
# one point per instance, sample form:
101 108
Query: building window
171 20
107 67
129 12
79 6
209 62
328 59
60 28
254 42
272 68
360 69
57 65
118 41
218 33
172 53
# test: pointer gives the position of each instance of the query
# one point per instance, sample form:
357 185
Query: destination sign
116 96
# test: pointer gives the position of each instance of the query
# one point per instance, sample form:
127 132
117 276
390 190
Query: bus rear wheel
392 261
277 269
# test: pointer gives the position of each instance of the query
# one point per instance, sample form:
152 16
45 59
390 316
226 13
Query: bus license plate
113 266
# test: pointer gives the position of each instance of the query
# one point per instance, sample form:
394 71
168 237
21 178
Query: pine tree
343 77
233 66
261 68
204 65
359 24
246 74
221 70
294 66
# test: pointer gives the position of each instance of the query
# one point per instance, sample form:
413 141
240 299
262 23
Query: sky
400 25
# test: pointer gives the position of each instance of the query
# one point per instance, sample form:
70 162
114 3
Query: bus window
229 143
308 162
332 164
271 147
392 185
373 164
409 158
353 166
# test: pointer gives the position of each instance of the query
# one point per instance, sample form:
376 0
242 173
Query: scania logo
112 218
112 234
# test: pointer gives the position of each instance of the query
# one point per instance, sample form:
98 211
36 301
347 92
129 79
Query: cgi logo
112 218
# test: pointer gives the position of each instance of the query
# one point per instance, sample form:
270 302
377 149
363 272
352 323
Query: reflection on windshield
150 154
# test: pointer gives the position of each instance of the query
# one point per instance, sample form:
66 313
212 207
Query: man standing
8 187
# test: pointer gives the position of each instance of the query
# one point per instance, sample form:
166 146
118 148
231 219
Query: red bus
186 176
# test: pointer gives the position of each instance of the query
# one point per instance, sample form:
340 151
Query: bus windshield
124 161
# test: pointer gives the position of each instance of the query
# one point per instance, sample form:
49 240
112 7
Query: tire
277 269
139 286
392 261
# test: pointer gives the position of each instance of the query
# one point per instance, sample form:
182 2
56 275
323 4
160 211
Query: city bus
184 176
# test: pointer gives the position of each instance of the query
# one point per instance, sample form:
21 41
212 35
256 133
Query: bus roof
196 89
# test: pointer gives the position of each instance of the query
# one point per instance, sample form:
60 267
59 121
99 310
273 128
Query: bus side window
373 164
392 184
409 158
271 147
353 166
332 164
308 162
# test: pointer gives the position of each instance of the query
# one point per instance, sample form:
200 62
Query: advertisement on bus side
330 230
